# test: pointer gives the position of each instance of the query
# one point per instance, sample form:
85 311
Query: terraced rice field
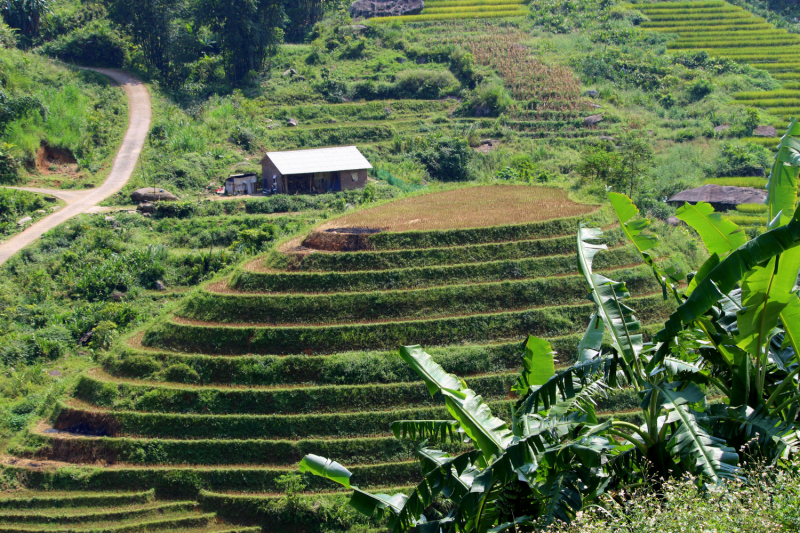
722 29
47 512
438 10
296 353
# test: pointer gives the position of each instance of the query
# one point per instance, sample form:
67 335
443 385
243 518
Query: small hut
315 171
721 198
241 184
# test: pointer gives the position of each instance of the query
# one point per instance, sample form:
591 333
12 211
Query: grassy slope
86 115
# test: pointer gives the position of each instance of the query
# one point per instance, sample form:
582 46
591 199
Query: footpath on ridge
78 202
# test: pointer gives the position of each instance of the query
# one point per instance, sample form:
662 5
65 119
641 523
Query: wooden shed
315 171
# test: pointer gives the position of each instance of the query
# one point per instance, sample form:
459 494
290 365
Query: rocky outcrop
151 194
592 120
765 131
385 8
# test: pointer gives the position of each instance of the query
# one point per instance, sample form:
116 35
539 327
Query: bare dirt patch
469 207
51 160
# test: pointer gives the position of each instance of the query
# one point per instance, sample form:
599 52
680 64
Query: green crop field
442 10
744 37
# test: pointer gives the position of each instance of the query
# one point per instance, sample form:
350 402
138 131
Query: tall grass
767 142
777 66
699 11
752 208
743 43
681 5
764 58
471 9
756 183
516 12
708 16
85 114
747 220
770 102
459 3
677 25
744 33
702 28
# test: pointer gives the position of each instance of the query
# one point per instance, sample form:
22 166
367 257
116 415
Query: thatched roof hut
721 198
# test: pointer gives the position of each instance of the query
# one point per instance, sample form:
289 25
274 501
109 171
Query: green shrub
699 89
741 159
210 400
183 482
95 44
181 373
489 99
336 369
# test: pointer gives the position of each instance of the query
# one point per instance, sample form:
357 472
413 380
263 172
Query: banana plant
743 301
728 336
556 458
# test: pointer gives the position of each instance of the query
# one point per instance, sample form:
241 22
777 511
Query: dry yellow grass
470 207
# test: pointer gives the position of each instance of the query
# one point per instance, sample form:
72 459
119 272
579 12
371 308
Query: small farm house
720 197
315 171
241 184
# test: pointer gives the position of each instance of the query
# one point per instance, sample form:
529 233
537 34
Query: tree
555 457
26 15
302 15
150 24
598 163
635 157
249 31
446 159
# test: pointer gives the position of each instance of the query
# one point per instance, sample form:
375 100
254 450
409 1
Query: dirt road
78 202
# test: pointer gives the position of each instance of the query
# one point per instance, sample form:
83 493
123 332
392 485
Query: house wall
347 181
268 170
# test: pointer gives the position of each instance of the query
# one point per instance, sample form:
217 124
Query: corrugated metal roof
318 160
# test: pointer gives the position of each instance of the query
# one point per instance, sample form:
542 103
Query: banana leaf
719 234
592 341
489 433
745 424
783 179
728 274
620 320
704 453
432 374
537 365
766 291
320 466
634 230
438 430
790 322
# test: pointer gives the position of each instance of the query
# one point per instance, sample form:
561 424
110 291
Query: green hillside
169 370
252 371
67 133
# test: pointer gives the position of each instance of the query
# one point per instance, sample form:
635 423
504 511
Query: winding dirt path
139 113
